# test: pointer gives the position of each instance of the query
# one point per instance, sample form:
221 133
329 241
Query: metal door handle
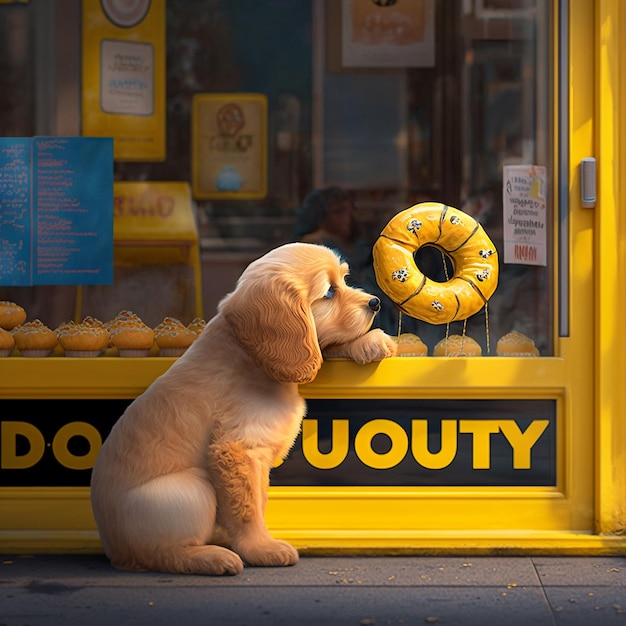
588 183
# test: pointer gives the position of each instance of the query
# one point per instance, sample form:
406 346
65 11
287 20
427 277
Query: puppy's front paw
271 553
375 345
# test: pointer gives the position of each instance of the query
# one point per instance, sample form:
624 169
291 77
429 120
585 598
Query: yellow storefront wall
526 519
583 513
608 142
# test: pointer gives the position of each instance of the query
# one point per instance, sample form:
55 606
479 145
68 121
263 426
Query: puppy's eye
331 292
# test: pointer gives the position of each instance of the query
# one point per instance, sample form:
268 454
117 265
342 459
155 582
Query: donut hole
435 263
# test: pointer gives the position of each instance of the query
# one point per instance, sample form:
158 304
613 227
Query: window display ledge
117 377
66 377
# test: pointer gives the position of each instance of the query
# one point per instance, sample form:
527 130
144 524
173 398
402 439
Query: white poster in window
388 33
127 77
524 212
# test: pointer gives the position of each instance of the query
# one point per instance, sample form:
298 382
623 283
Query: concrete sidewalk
510 591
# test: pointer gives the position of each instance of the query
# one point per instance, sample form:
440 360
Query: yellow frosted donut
461 238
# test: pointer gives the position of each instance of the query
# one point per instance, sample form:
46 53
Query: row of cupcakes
125 335
513 343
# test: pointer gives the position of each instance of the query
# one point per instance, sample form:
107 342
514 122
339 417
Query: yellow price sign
123 76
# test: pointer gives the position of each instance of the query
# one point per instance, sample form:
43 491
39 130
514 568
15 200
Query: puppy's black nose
374 305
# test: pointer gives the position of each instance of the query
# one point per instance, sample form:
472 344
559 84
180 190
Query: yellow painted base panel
346 542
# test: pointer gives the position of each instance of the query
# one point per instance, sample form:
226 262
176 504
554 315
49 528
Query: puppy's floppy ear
271 317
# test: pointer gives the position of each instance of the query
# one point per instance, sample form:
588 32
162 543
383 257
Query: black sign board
382 442
392 442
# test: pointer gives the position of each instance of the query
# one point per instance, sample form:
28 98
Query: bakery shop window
396 103
415 102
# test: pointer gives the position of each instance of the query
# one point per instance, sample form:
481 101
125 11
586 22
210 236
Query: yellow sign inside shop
123 76
154 222
153 211
229 146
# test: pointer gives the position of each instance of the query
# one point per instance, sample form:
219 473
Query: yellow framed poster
229 146
123 76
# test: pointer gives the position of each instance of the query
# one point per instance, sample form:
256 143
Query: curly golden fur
185 470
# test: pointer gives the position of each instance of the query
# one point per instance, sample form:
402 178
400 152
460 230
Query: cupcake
11 315
7 342
34 339
63 326
87 339
516 344
457 345
92 322
410 345
123 317
130 335
197 325
172 337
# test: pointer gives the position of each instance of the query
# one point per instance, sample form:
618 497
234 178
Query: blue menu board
56 211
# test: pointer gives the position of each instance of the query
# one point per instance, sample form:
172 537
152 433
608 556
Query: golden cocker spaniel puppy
187 465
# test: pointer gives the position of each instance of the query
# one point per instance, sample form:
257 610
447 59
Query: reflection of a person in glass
327 217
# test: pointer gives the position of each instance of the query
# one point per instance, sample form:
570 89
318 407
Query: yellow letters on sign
521 443
11 460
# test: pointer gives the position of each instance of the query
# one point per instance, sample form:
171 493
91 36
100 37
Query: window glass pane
504 106
445 129
428 103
